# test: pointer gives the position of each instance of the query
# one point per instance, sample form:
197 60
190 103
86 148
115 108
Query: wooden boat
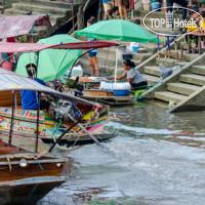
107 97
50 129
83 137
27 175
92 92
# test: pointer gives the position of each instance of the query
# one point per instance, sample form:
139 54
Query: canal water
157 158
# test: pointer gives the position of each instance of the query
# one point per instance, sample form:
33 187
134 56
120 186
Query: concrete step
192 79
182 63
107 62
182 88
152 70
151 79
42 9
167 96
186 56
111 53
198 69
140 21
12 11
57 4
53 17
103 66
170 62
154 14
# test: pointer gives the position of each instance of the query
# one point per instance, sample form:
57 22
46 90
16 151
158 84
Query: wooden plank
96 93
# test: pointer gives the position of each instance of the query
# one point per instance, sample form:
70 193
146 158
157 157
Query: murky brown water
157 158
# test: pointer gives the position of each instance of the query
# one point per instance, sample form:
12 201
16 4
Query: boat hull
27 191
26 177
82 140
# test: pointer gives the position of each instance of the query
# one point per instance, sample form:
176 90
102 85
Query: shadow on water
157 159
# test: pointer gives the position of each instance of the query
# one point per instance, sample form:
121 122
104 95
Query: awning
28 47
12 26
11 81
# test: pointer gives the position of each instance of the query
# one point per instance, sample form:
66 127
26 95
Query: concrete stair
170 62
153 14
192 79
57 4
152 80
198 69
60 12
182 88
167 96
152 70
185 88
34 7
139 19
54 18
107 58
106 64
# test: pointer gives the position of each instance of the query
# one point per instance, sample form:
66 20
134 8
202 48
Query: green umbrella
52 63
120 30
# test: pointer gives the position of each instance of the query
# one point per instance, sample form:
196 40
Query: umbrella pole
116 64
12 116
37 122
37 63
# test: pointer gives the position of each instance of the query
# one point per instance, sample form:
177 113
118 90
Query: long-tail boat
27 175
49 127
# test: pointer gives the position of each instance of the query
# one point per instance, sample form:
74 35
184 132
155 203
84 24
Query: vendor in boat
29 98
133 76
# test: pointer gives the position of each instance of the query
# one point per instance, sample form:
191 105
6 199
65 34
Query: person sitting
29 98
133 76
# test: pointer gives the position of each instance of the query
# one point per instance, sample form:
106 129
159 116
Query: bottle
77 71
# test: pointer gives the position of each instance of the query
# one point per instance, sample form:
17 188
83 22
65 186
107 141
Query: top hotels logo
170 23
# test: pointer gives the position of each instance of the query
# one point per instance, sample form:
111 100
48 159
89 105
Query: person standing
122 8
92 54
107 6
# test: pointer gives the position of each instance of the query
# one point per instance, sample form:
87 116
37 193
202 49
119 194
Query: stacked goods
118 89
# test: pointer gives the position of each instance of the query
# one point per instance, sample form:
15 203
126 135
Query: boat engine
64 110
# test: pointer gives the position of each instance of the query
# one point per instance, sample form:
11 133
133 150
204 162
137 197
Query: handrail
141 65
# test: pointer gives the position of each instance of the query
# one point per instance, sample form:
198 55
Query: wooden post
80 17
37 122
99 10
73 16
12 116
62 135
3 5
